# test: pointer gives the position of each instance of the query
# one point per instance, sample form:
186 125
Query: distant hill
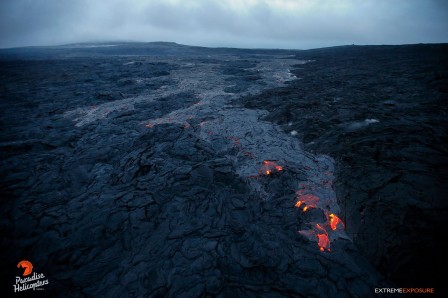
126 49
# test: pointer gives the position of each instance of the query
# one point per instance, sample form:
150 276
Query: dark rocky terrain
166 170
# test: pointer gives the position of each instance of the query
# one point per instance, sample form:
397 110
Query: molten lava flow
322 239
335 222
321 231
309 200
329 228
323 242
270 167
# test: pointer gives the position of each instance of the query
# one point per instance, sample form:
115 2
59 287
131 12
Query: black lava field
164 170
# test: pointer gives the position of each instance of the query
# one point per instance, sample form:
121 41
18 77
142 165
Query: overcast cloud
297 24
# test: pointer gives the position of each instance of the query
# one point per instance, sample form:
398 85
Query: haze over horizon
293 24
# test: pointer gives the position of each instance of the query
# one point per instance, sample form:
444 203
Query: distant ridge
158 48
164 48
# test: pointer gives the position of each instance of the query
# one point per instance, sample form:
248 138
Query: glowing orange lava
321 231
270 167
335 221
309 200
322 239
323 242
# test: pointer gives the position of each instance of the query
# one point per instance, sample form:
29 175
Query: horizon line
122 42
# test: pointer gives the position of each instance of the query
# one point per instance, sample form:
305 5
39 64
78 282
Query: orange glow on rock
323 242
322 239
309 200
270 167
335 221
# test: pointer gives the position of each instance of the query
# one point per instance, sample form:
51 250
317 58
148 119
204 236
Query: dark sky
299 24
